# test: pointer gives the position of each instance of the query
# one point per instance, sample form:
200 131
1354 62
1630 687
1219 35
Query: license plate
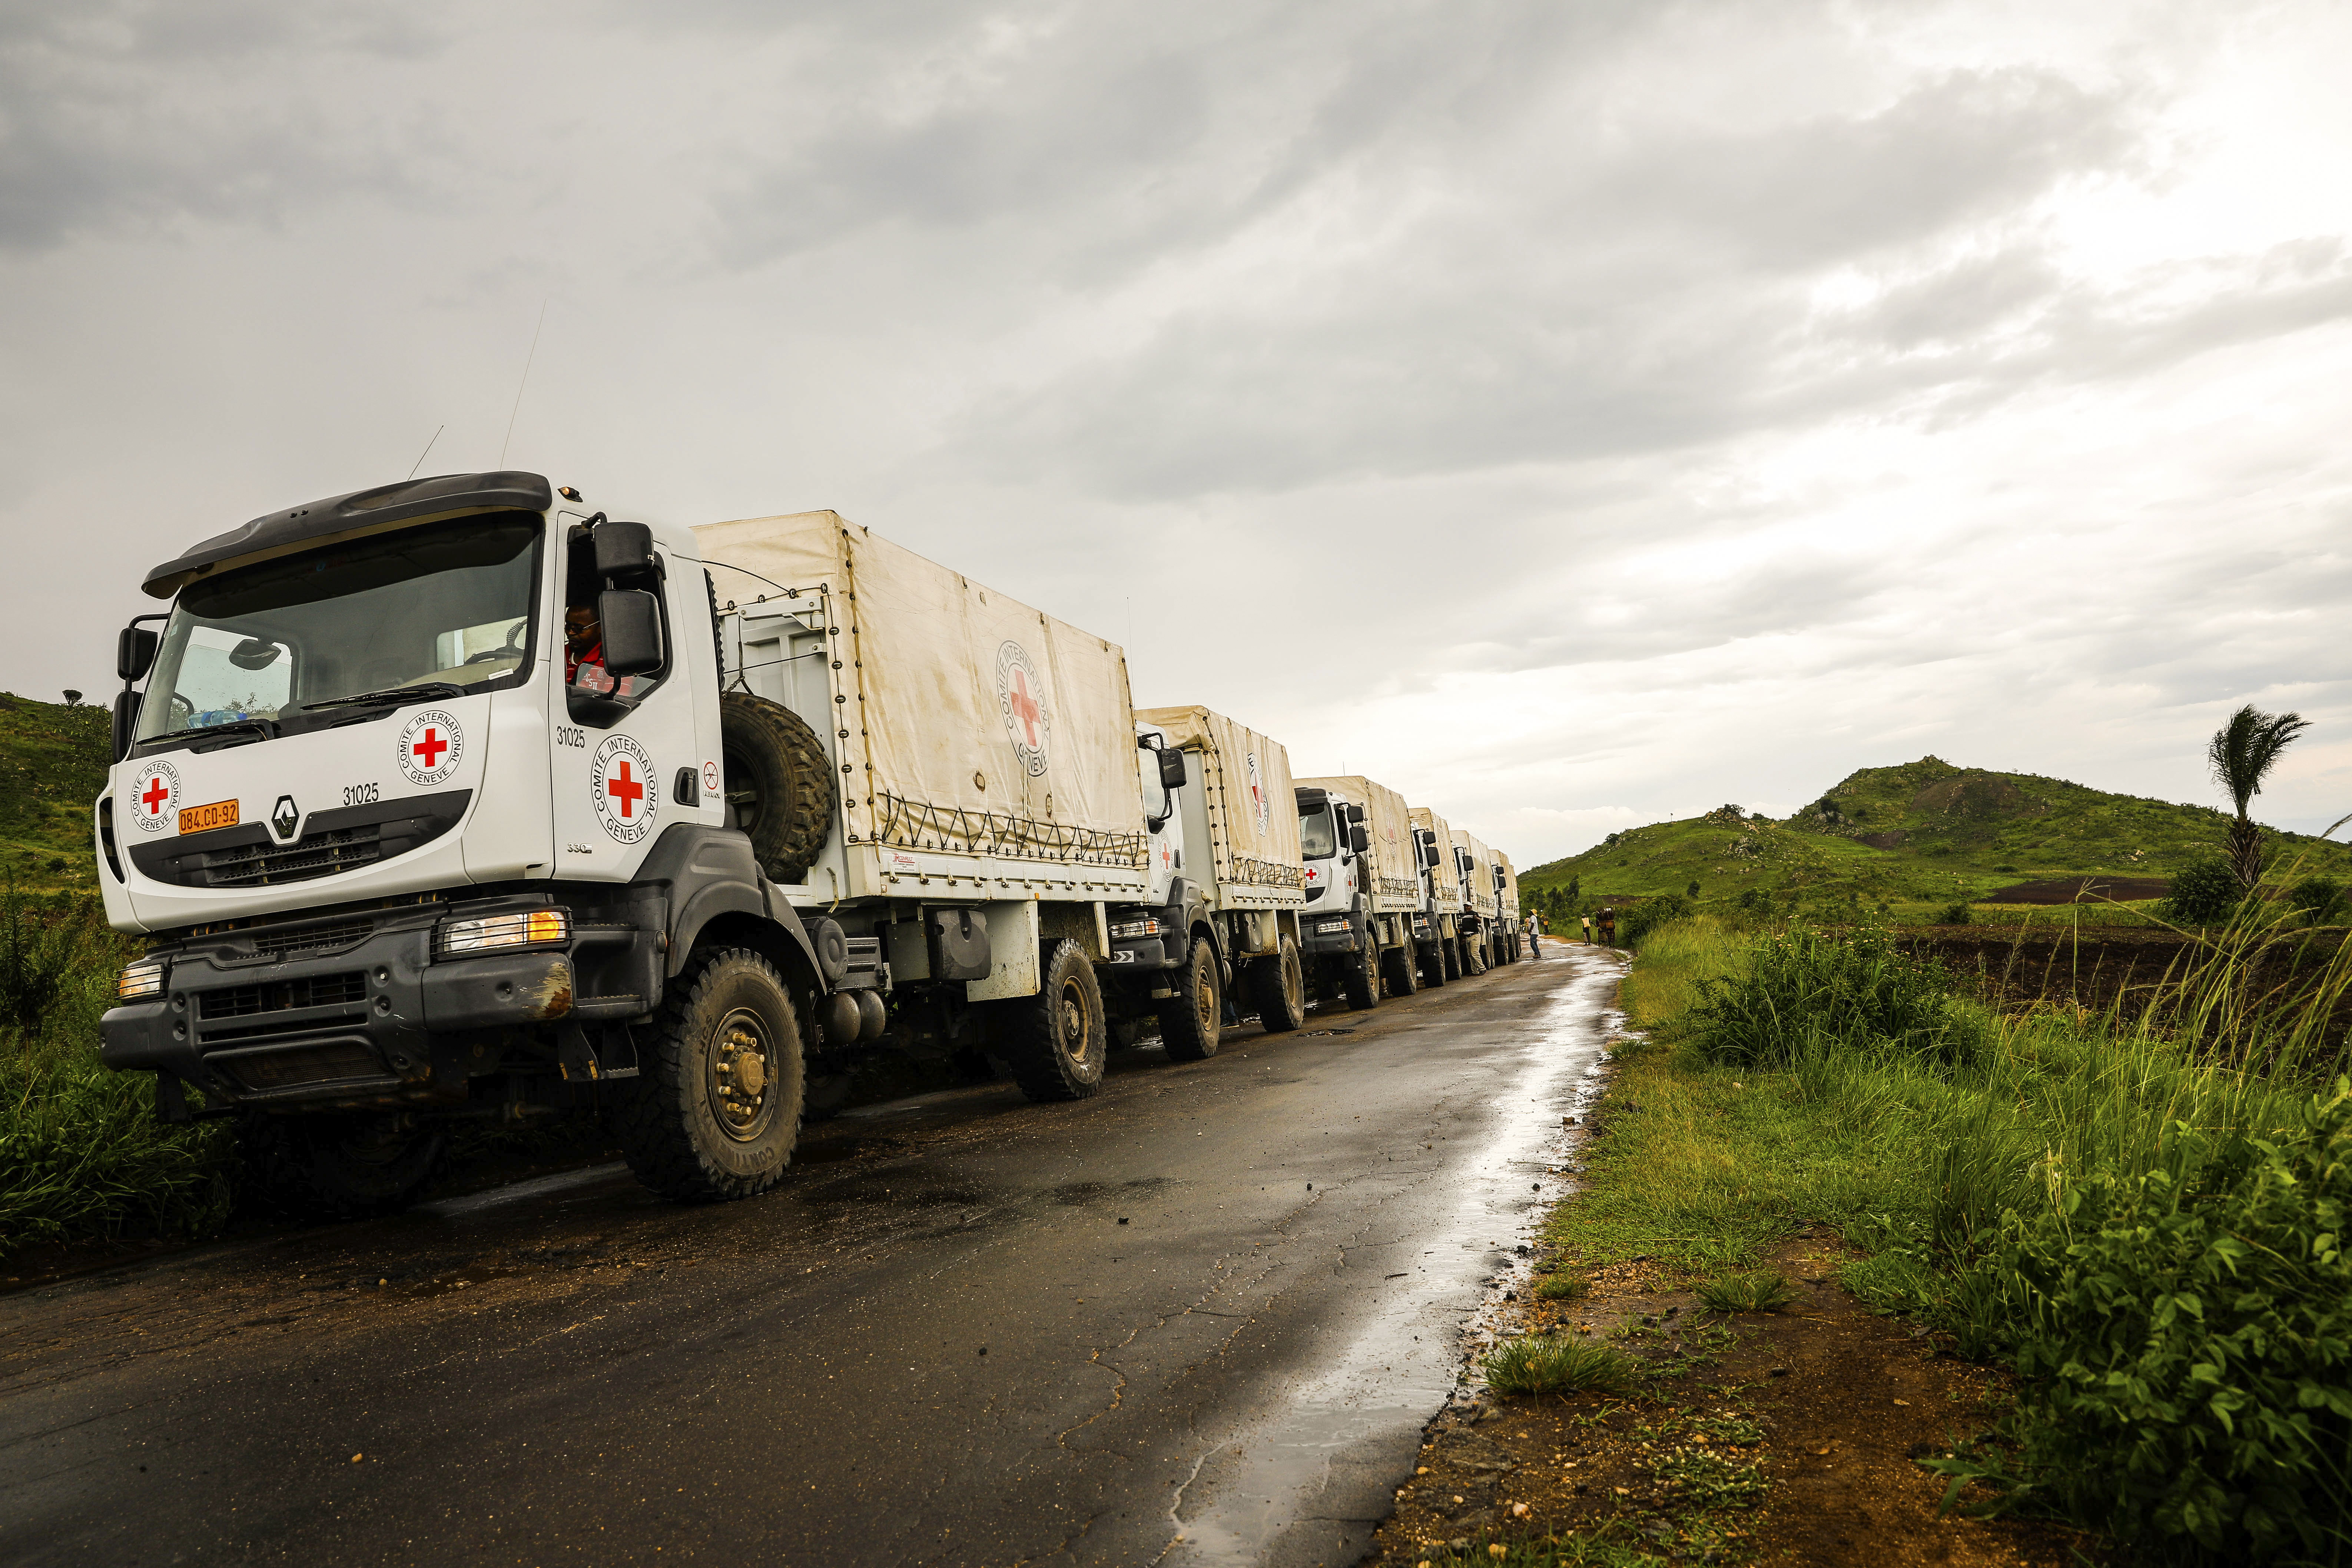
205 818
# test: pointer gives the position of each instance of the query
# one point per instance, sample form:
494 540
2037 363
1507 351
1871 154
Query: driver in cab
584 652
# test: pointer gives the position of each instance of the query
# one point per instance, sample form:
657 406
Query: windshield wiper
391 694
264 727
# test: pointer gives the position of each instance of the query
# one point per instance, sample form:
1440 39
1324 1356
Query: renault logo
284 817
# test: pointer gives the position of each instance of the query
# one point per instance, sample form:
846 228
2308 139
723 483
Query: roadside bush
2204 892
1649 915
2186 1335
2320 898
1807 987
1958 914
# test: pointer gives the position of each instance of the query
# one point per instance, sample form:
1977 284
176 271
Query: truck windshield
1318 840
449 601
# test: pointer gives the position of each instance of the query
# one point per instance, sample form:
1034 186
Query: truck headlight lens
532 928
1136 928
143 978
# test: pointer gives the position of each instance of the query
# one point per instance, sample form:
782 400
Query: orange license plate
205 818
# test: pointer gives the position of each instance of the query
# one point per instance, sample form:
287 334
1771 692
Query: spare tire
779 784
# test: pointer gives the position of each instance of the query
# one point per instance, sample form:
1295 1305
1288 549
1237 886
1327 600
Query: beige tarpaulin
1445 887
1245 781
1396 875
1510 887
976 723
1478 887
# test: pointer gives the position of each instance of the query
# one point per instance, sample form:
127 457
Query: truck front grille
274 944
342 839
279 996
313 854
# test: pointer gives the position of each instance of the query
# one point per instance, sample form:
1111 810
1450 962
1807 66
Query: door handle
686 788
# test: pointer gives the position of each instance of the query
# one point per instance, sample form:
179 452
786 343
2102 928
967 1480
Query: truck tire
341 1166
716 1108
1362 979
1404 975
1432 964
1056 1042
1449 954
1277 985
779 782
1193 1020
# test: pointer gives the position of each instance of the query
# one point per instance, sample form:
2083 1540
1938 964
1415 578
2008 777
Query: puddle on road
1412 1356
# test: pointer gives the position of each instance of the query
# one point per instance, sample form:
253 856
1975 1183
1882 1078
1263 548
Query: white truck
1484 943
1514 920
1436 930
458 797
1363 887
1236 884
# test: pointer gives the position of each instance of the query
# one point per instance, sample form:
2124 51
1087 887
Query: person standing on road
1535 935
1588 926
1608 927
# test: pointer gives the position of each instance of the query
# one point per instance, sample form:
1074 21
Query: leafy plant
1956 914
1542 1363
1806 987
1649 915
2204 891
1765 1291
2241 752
2320 898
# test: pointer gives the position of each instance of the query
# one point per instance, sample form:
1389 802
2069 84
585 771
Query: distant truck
1514 922
1437 930
1235 856
1363 887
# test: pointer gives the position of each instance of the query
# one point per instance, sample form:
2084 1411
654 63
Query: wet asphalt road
1197 1320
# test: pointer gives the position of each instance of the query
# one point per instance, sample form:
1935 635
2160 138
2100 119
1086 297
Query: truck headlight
143 978
1136 928
530 927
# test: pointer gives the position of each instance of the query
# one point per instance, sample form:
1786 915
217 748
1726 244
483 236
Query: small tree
2242 752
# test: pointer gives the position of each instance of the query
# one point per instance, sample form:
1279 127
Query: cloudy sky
1576 414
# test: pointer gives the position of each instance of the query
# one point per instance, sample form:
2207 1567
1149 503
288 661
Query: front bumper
353 1017
1330 935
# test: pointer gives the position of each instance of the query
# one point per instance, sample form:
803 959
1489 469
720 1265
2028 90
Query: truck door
626 762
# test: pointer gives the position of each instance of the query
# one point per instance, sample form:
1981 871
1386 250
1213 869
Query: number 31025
359 794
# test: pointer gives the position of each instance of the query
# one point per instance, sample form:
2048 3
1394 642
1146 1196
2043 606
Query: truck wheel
1449 954
1405 977
341 1166
1362 979
715 1108
1192 1021
778 781
1278 988
1056 1043
1432 964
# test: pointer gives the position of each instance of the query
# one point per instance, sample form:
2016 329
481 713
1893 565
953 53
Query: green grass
81 1155
53 763
1543 1363
2070 1192
1761 1291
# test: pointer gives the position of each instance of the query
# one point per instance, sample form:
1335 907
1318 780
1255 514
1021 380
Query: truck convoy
458 797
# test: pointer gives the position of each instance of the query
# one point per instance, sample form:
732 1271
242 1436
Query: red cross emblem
155 795
1025 707
625 789
430 748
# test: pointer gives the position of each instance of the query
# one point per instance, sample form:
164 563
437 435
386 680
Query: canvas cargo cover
977 724
1445 886
1510 887
1478 889
1253 808
1396 881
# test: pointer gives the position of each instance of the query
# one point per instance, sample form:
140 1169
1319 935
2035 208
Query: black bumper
1325 936
357 1024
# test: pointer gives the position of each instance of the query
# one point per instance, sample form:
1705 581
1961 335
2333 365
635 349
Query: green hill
53 763
1925 833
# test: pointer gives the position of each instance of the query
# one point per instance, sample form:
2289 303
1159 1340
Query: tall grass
2147 1212
81 1155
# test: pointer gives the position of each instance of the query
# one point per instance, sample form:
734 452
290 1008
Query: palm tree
2242 752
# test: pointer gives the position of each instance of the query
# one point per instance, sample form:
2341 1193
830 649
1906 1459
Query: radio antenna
521 385
428 452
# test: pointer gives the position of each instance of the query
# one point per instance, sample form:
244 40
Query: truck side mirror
134 652
1358 840
632 639
126 715
1355 812
1172 769
624 551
